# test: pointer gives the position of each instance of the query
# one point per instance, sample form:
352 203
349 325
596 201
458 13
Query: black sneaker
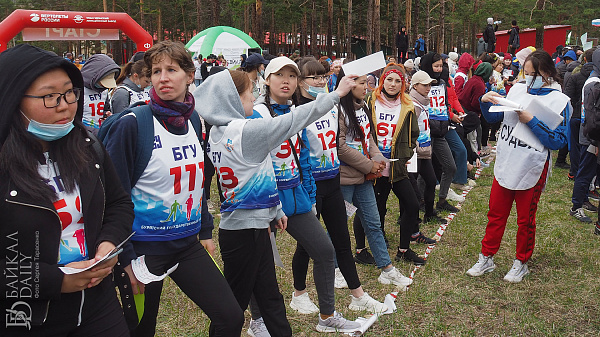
570 176
588 206
594 195
435 219
562 165
597 228
422 239
410 256
364 257
443 205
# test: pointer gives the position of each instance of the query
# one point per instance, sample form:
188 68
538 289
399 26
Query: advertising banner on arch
43 34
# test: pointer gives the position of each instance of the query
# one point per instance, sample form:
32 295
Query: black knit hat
20 66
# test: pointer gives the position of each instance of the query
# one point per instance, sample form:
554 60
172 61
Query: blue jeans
460 156
363 197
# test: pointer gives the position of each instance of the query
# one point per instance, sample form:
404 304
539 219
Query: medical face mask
314 91
261 73
534 84
48 132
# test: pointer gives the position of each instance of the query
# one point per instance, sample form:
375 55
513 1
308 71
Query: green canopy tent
222 40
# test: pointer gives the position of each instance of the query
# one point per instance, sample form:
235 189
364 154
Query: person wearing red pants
521 170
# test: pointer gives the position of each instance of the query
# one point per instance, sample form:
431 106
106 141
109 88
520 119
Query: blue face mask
48 132
314 91
261 73
531 84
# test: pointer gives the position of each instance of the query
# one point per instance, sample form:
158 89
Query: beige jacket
354 165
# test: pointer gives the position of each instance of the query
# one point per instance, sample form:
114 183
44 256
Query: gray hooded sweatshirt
218 102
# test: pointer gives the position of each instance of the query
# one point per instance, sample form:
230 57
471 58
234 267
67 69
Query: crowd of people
293 143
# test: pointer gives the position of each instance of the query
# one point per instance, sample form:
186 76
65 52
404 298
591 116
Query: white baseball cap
421 77
279 62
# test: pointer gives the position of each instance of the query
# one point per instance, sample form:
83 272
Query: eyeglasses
319 78
53 100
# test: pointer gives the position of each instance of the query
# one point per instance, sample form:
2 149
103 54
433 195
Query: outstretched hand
347 83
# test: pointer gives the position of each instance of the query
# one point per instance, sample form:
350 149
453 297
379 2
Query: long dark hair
542 62
347 104
22 153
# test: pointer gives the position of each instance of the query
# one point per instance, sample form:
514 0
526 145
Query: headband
393 71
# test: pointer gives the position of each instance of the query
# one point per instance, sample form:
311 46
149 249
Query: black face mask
388 95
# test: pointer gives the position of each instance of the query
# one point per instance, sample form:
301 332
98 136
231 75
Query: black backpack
591 123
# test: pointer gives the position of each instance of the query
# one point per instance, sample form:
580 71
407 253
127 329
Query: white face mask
534 84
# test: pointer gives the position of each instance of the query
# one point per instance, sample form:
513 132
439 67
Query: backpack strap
145 140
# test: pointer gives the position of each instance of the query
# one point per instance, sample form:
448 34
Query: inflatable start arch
64 25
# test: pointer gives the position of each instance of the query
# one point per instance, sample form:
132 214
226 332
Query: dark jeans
562 154
331 206
101 315
485 131
408 203
575 150
201 280
585 174
249 269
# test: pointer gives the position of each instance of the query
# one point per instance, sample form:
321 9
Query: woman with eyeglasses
62 204
322 136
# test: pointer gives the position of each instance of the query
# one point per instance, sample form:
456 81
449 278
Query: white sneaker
258 328
339 282
471 182
485 264
394 277
337 323
454 197
367 303
303 304
517 272
460 187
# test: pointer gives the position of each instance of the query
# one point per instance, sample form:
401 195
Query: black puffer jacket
573 86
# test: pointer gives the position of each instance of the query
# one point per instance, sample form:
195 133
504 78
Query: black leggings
201 280
485 131
425 170
408 203
249 269
331 206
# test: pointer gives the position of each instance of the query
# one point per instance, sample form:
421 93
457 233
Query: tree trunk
377 25
215 12
395 21
408 18
303 35
142 22
442 28
159 26
273 35
338 39
427 34
313 28
199 17
258 24
329 28
539 29
370 27
349 30
246 18
416 14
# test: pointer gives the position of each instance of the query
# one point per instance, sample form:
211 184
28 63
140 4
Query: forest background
334 24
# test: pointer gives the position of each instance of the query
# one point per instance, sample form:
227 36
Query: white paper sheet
366 323
537 108
411 167
365 65
276 256
141 272
350 209
508 103
116 251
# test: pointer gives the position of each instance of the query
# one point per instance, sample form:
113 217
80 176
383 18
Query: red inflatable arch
21 19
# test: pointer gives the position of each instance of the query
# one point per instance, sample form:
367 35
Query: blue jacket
552 139
299 199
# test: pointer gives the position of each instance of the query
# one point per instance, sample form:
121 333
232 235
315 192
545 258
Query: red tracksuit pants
501 200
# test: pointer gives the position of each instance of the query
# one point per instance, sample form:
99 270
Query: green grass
559 298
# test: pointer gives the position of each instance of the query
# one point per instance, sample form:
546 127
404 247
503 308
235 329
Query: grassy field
559 298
